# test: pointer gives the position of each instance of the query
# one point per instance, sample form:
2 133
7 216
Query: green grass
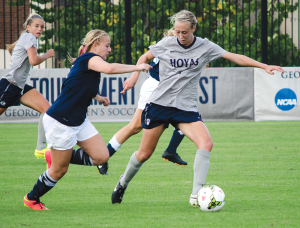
255 163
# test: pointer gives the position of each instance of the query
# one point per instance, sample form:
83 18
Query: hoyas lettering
184 62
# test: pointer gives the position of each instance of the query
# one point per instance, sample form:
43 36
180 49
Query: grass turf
255 163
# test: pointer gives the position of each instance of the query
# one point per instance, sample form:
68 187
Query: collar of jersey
186 47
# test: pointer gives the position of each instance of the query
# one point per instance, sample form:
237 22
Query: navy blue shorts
155 115
10 94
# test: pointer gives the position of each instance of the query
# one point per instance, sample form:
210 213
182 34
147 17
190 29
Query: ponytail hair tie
82 50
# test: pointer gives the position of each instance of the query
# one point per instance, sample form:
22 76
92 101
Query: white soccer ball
211 198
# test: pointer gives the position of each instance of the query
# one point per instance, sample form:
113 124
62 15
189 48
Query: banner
223 94
226 94
276 96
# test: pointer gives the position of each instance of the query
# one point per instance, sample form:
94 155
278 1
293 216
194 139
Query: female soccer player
13 87
182 58
134 126
65 121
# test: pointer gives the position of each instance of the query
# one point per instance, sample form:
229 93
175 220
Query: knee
142 156
58 174
208 145
134 129
101 159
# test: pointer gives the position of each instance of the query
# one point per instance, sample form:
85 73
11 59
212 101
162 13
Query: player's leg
121 136
48 179
35 100
199 134
93 150
2 110
170 153
148 144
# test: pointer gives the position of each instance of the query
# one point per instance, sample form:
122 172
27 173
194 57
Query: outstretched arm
243 60
102 100
130 82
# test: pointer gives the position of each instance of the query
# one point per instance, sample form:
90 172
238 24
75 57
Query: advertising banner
223 94
226 94
276 96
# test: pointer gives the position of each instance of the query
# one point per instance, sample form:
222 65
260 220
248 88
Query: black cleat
102 169
118 193
175 158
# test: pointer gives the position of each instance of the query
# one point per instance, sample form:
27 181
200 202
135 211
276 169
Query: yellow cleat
40 153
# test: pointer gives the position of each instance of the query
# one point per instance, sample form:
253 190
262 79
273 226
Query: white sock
114 143
41 141
132 168
201 166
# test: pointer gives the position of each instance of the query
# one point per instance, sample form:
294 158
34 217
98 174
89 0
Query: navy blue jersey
77 93
154 72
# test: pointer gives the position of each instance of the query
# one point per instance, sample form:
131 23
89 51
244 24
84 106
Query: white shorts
62 137
146 90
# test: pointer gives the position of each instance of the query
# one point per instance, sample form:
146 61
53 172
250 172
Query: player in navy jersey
13 87
65 121
174 101
134 126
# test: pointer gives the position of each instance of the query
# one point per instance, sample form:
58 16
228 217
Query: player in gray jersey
13 87
182 58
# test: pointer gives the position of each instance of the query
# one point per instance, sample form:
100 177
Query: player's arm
243 60
96 63
35 59
102 100
130 82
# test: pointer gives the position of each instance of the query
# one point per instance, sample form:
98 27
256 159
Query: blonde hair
90 38
29 20
182 16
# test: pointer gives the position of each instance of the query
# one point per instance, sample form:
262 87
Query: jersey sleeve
29 41
157 50
214 51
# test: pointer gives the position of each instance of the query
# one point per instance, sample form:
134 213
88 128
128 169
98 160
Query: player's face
184 32
36 27
103 48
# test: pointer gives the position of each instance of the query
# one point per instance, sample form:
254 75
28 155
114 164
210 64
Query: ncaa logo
285 99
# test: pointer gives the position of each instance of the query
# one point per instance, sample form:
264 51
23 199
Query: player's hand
51 53
128 84
104 100
269 69
144 67
207 65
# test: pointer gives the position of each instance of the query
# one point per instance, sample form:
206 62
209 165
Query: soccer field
255 163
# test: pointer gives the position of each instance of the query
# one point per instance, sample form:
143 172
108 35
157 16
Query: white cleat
194 201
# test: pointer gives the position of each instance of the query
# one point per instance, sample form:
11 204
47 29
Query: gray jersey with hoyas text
179 71
19 66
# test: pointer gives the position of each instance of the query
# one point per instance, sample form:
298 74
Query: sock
42 186
201 166
79 157
41 141
175 141
113 146
132 168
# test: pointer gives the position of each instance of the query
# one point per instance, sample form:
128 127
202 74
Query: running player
182 58
13 87
134 126
65 121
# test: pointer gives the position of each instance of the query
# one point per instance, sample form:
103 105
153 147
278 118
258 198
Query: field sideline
255 163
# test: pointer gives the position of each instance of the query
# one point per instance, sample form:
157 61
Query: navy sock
111 150
175 141
79 157
42 186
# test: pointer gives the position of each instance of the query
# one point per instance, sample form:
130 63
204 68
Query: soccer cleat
175 158
102 169
40 153
194 200
33 204
118 193
48 158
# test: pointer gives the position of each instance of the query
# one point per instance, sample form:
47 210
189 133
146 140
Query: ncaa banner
49 81
226 94
276 96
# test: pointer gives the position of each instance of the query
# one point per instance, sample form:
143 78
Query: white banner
223 94
276 96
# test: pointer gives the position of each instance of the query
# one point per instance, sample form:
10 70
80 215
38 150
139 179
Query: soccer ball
211 198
